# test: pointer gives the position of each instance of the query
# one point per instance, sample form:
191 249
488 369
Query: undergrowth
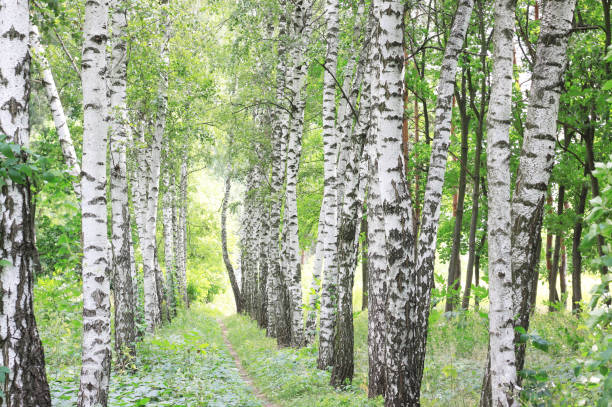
185 364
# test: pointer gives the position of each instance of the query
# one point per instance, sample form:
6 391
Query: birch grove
183 181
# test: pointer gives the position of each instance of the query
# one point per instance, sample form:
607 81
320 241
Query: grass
185 363
288 376
456 354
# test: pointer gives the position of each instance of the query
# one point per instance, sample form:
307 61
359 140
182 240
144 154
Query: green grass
456 355
288 376
185 364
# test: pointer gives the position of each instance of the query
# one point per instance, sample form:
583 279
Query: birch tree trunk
168 225
351 196
57 111
125 330
276 183
293 275
348 245
151 275
395 197
226 259
262 292
413 302
315 285
96 345
377 256
151 300
537 155
501 325
182 234
22 351
330 152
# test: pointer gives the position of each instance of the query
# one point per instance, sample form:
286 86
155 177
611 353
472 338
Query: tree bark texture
22 351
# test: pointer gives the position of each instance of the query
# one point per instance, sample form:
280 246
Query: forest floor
209 357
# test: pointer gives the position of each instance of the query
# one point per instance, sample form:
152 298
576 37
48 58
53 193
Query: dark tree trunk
283 320
576 253
473 223
590 162
454 282
553 296
283 323
563 276
228 264
552 293
364 264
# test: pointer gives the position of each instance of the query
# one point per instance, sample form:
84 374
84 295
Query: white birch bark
151 275
293 272
315 285
182 234
151 300
395 198
353 133
377 257
501 312
168 226
96 342
421 278
276 182
537 156
330 152
297 84
22 351
125 332
57 110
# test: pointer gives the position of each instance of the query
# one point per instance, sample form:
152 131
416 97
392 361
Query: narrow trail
243 373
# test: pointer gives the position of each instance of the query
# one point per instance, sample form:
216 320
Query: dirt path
243 373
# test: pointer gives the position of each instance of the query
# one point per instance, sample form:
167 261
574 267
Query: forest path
243 373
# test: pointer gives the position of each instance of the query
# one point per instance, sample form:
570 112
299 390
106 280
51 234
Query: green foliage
595 369
288 376
184 364
22 166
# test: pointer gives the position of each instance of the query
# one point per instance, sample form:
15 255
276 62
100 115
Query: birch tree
410 279
57 110
537 155
377 260
152 278
501 326
182 233
168 230
226 259
96 345
125 331
395 198
296 82
330 151
535 167
421 280
22 353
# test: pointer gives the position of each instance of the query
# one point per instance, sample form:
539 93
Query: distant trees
323 126
108 263
376 174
